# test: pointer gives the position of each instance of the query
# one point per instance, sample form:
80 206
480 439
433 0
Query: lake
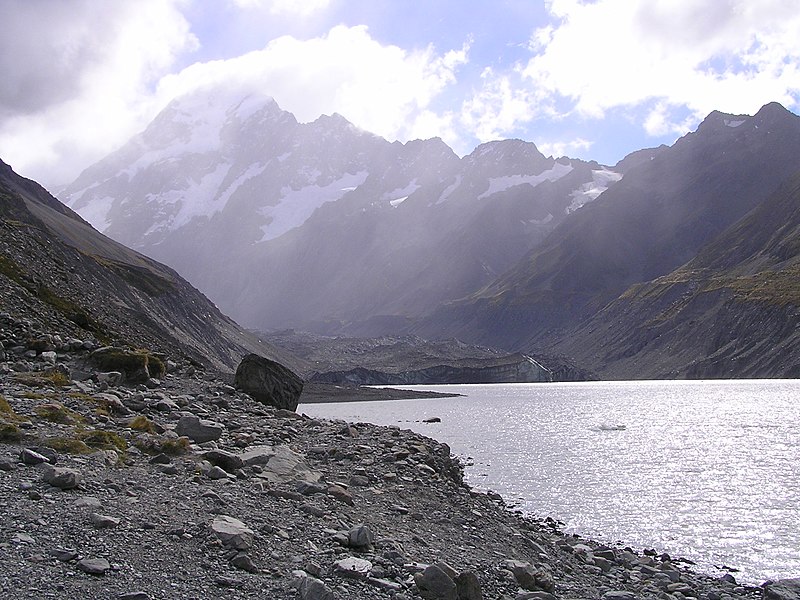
706 470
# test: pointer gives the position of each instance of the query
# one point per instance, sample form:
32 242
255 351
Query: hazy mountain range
635 270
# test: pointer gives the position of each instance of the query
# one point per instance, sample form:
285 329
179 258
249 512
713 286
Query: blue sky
588 79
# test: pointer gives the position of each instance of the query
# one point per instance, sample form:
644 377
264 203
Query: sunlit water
705 470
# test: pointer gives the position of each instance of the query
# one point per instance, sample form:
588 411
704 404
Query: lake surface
707 470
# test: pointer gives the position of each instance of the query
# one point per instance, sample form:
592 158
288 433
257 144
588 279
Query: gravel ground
182 487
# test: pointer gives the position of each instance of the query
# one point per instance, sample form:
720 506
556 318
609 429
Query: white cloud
564 148
381 88
95 66
287 7
671 54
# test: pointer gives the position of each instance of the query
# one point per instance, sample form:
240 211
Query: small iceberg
612 427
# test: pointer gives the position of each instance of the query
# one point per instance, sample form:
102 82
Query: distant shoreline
322 393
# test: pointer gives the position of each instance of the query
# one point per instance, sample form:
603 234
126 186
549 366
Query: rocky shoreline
179 486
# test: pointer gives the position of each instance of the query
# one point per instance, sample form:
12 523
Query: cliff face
515 368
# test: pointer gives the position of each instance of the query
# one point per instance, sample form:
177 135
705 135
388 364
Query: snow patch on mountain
734 122
448 191
96 212
601 180
296 206
397 196
198 199
500 184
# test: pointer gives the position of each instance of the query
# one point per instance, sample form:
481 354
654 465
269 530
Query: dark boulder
268 382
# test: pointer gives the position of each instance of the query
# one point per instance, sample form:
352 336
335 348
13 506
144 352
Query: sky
587 79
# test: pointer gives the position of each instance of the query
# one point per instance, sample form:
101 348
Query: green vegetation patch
156 444
103 440
57 413
134 365
10 432
142 423
141 278
68 445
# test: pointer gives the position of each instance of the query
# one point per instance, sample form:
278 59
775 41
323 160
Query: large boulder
268 382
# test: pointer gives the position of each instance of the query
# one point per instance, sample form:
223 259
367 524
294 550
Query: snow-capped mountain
322 225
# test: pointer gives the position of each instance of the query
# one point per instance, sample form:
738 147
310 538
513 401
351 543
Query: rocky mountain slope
664 211
58 271
732 311
320 225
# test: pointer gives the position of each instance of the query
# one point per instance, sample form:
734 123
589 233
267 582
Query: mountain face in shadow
732 311
60 272
321 225
664 211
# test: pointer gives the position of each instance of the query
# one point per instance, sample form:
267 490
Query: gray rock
280 464
94 566
469 588
133 596
199 430
103 521
619 595
357 568
49 357
87 502
435 584
232 532
243 561
31 457
311 588
227 460
268 382
61 477
782 589
360 537
534 596
216 472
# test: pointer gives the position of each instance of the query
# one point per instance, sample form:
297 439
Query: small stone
87 502
31 457
340 494
134 596
94 566
199 430
232 532
360 537
435 584
63 554
216 472
469 588
244 562
61 477
226 460
103 521
357 568
311 588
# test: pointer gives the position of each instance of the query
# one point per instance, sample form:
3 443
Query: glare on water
707 470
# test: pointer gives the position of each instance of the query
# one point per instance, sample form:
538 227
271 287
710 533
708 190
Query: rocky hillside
58 272
732 311
320 225
185 488
670 205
